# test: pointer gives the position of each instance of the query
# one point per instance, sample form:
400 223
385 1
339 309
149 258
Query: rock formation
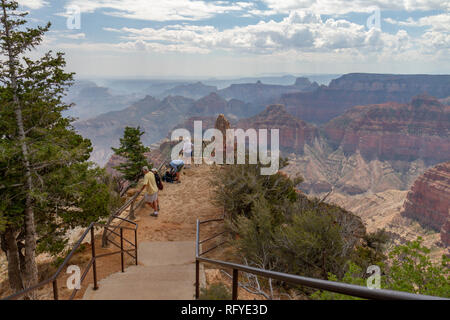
393 131
428 201
222 124
294 133
324 170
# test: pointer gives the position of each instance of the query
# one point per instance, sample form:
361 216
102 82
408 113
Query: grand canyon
365 141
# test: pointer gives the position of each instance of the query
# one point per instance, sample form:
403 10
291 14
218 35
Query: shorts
151 197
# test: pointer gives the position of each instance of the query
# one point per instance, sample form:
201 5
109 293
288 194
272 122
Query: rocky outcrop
294 133
328 102
428 201
324 170
222 124
445 234
393 131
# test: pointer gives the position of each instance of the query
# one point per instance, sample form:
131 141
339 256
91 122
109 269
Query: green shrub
413 271
410 270
277 228
216 291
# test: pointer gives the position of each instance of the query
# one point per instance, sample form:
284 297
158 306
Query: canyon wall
428 201
328 102
294 133
393 131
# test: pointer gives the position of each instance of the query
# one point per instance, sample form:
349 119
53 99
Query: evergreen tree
47 184
132 150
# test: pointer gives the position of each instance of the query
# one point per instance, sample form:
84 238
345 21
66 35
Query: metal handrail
338 287
92 263
117 213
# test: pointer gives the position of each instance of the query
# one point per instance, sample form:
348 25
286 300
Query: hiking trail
166 245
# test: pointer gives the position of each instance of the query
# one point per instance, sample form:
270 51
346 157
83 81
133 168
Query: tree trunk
31 271
12 253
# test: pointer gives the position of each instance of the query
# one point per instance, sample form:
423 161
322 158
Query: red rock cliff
393 131
294 133
428 202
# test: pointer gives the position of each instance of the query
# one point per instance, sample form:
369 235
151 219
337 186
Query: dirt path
181 205
166 244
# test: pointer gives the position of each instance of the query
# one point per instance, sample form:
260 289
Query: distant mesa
428 201
192 90
264 94
327 102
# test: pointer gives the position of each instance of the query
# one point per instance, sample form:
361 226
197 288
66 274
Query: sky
213 39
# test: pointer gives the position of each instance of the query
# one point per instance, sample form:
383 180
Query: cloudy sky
199 38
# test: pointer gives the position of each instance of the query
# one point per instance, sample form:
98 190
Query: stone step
175 282
166 271
166 253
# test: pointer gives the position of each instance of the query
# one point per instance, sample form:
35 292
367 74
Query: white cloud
302 31
436 22
158 10
436 36
337 7
33 4
76 36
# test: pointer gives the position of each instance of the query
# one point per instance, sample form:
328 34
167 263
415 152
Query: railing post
235 284
94 262
121 249
55 289
197 242
132 217
197 279
136 245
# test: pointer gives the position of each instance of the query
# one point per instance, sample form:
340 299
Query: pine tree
47 184
132 150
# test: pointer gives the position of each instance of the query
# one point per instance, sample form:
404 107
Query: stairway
166 271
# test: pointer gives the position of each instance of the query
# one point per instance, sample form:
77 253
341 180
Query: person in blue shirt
176 166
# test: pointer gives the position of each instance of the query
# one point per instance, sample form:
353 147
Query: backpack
158 181
169 177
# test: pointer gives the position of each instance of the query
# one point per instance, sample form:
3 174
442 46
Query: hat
154 170
145 168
